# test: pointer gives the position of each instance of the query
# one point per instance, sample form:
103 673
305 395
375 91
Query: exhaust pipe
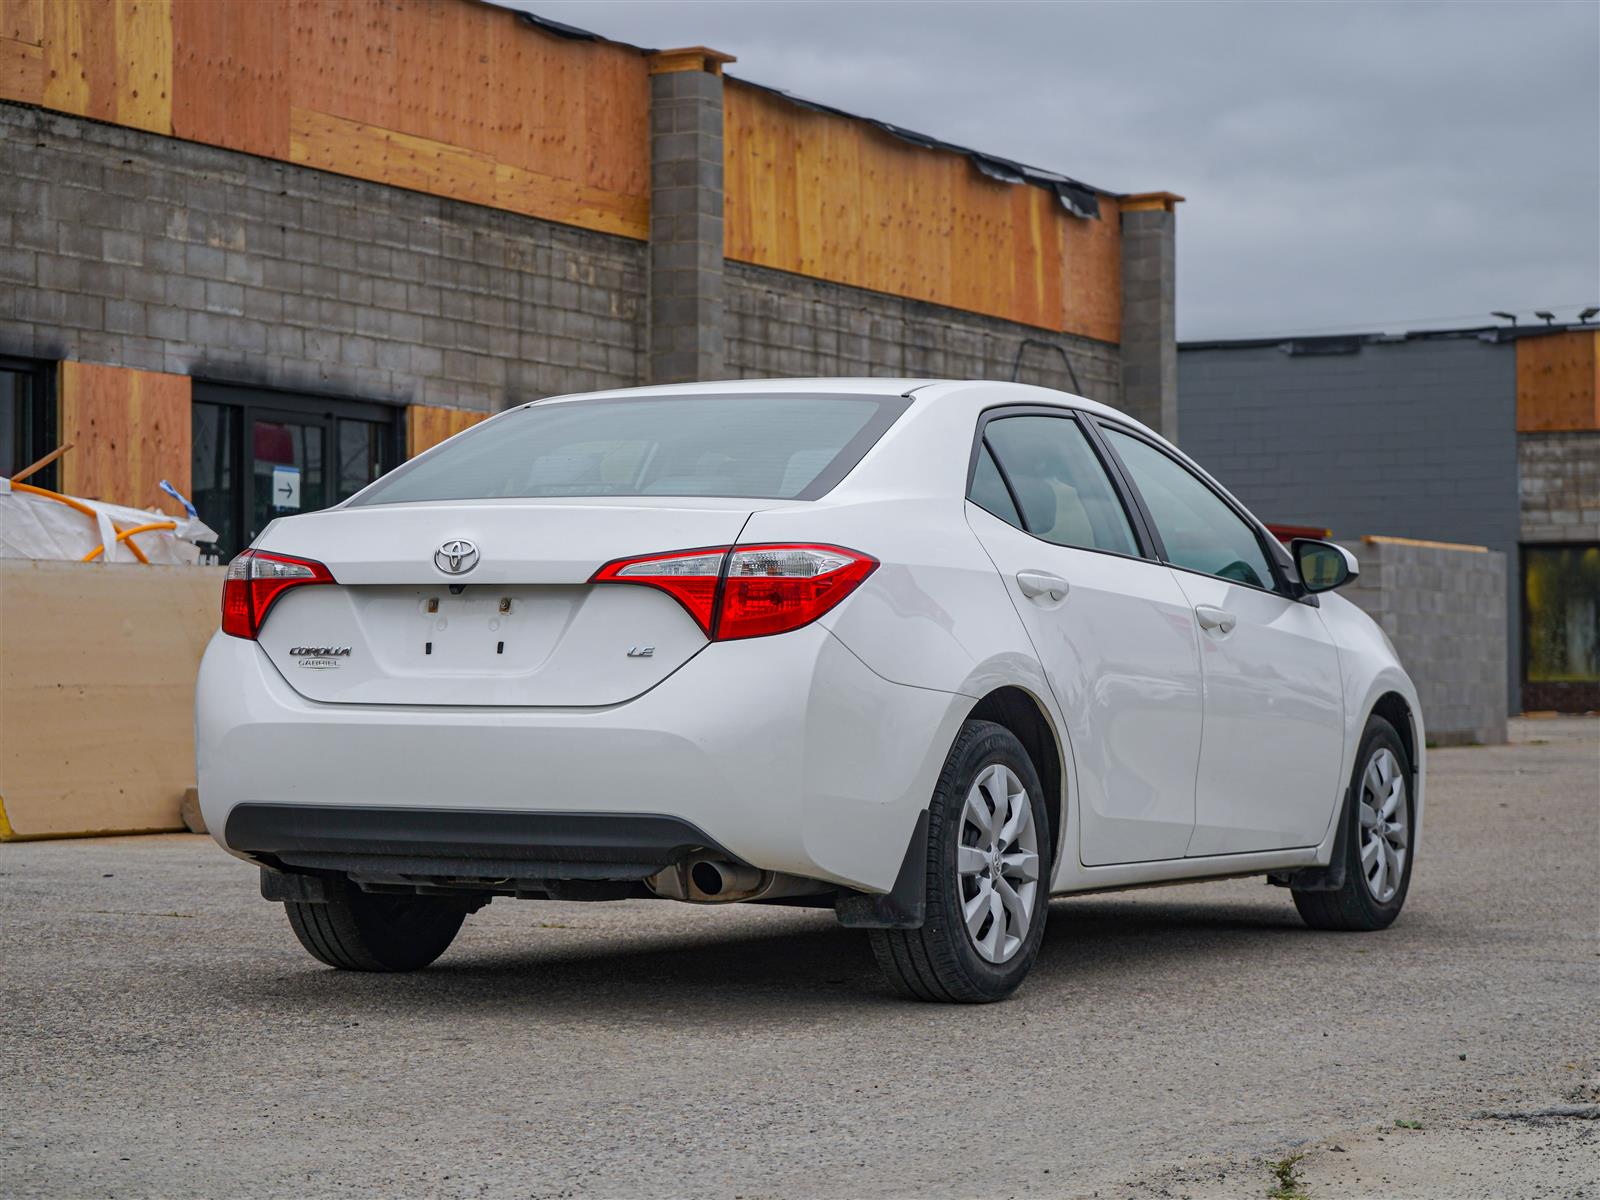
707 879
712 880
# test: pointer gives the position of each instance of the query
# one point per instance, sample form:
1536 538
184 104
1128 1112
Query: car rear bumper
786 752
374 841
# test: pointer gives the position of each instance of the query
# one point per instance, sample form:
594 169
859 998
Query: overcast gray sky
1347 166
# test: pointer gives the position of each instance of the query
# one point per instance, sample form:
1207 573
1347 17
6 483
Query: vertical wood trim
130 430
428 425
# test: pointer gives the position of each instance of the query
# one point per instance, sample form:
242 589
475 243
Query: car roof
921 391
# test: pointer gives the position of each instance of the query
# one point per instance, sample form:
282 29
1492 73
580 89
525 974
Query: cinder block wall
127 248
785 325
1445 611
1560 486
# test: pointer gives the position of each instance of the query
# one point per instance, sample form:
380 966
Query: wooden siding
106 59
822 195
1558 381
129 429
463 100
441 96
427 426
231 75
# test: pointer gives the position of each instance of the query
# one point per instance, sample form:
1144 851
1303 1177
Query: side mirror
1323 566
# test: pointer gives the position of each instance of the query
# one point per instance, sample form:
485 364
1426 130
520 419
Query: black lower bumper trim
463 842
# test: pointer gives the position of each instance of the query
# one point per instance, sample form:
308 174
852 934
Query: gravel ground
165 1035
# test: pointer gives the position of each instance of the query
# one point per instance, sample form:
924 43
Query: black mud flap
1322 879
905 905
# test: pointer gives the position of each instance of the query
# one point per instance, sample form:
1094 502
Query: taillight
748 591
688 576
255 580
772 589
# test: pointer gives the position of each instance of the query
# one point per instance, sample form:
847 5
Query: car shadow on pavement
804 961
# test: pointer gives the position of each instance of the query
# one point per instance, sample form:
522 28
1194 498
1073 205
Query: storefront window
1561 607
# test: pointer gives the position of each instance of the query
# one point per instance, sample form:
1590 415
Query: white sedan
925 653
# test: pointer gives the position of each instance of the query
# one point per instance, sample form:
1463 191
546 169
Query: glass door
288 467
259 455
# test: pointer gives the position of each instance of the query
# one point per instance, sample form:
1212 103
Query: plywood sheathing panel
823 195
130 430
454 99
97 668
231 75
22 50
427 425
106 59
1558 381
463 101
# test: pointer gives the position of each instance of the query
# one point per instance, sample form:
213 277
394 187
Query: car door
1270 756
1109 623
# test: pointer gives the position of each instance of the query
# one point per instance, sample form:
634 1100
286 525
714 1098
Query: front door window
1200 532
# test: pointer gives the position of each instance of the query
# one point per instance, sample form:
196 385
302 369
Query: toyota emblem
456 557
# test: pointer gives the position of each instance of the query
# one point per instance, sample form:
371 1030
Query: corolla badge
456 557
319 658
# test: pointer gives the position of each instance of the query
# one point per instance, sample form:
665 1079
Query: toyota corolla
923 653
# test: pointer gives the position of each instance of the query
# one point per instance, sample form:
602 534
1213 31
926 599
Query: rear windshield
766 447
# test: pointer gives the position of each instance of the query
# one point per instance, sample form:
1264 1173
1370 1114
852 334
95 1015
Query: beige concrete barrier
97 667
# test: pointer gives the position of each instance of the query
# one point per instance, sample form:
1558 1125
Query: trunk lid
521 626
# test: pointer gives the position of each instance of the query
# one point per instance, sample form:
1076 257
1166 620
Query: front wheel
363 931
988 877
1379 816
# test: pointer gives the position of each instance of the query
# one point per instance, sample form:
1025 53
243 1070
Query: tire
943 961
1359 904
360 931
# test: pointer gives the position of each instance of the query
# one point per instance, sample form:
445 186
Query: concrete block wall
787 325
1560 486
123 247
1149 311
686 205
1445 611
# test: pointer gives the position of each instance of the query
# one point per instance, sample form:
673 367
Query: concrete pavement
165 1034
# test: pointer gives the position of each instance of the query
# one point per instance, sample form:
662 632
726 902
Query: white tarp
38 527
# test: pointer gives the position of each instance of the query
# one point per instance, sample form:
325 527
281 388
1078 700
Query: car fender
1371 669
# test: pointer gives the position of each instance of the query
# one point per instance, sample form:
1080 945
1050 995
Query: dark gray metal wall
1411 438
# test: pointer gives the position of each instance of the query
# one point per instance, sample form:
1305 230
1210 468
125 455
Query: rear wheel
987 877
359 931
1380 814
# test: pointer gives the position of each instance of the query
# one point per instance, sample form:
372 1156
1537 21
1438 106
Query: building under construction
248 241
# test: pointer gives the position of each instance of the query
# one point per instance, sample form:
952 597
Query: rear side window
1059 484
989 490
766 447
